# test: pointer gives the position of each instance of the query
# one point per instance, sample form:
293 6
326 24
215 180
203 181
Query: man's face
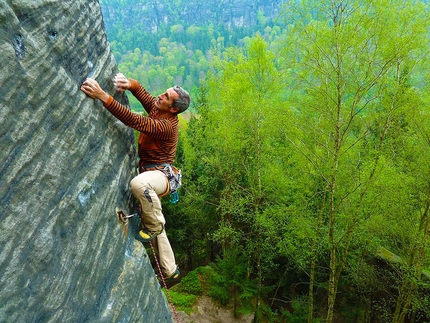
165 100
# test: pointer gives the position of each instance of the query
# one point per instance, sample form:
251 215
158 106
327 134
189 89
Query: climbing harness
174 176
164 283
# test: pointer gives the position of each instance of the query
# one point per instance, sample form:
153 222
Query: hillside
154 15
163 43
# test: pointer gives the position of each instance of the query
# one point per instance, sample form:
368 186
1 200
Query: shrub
191 283
183 302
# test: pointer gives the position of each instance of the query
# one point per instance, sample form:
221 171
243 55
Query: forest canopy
305 160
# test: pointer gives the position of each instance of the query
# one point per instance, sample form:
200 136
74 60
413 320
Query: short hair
183 102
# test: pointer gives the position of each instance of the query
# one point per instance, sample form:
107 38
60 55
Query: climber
156 149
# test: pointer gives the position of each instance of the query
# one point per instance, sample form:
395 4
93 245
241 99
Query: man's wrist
104 97
108 102
134 85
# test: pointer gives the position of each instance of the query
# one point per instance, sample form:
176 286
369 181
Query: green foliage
229 280
307 151
298 313
191 283
178 53
182 302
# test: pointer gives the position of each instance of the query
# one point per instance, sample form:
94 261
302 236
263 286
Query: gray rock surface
66 164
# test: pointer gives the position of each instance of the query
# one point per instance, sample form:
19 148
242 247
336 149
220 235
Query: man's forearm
104 97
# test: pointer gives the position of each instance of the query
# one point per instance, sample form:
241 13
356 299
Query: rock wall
65 165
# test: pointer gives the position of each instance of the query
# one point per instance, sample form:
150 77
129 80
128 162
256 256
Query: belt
144 168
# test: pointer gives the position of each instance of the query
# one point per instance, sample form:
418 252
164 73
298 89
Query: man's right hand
121 82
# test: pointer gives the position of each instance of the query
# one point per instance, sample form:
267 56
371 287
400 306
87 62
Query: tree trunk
414 270
314 261
332 284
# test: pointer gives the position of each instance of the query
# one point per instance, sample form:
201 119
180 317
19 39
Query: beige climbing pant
147 187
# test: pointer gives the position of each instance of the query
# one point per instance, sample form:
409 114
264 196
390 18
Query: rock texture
65 165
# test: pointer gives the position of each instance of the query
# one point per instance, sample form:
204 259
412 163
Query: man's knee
138 186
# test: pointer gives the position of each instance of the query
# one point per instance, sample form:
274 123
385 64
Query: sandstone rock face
66 164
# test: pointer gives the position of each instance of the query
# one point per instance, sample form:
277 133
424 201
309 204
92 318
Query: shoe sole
172 278
142 239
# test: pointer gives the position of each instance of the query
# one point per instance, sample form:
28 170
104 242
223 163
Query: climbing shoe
171 278
145 235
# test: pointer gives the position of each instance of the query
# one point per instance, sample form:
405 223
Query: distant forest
164 43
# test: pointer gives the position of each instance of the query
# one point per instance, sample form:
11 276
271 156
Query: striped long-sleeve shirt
158 137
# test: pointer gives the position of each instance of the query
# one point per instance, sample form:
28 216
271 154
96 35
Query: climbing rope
164 283
161 273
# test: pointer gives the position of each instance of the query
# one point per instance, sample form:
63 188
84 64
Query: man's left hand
92 88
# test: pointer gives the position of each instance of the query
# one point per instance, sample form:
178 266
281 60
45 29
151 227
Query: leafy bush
183 302
229 280
299 313
191 283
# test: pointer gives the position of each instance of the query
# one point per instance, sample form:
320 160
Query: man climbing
156 149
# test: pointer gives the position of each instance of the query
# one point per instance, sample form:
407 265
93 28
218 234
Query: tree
238 133
348 85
